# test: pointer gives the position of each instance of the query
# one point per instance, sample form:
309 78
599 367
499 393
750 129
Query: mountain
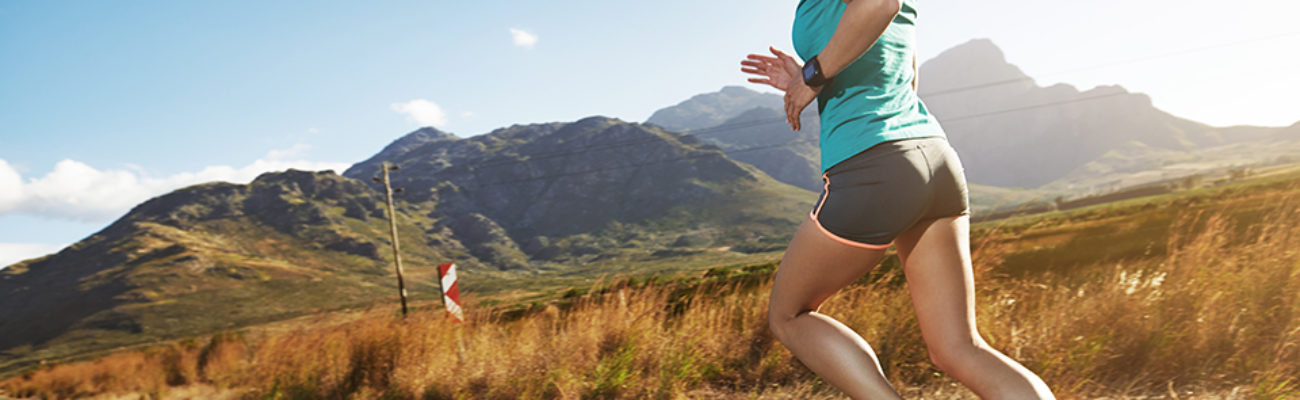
209 257
760 137
508 207
1012 132
750 127
712 109
402 145
511 195
753 137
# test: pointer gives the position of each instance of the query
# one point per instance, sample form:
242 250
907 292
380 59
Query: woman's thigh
936 260
814 268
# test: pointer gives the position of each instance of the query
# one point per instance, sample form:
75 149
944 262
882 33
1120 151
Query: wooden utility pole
392 229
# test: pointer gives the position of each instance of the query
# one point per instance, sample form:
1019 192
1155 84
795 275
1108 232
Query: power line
729 127
960 89
760 122
747 149
626 143
1031 107
638 165
782 144
615 145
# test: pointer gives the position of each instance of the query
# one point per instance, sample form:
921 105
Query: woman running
890 178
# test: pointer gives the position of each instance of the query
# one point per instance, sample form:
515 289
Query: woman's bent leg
815 267
936 259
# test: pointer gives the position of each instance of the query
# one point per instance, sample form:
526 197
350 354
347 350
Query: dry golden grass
1215 316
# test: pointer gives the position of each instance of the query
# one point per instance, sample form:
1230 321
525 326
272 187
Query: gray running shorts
874 196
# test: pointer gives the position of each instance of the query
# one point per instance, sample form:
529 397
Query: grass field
1193 294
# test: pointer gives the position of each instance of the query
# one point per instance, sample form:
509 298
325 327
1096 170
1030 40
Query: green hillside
224 256
210 257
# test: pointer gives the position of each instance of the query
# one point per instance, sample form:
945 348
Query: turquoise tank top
871 101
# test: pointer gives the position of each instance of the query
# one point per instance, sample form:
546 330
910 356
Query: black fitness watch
812 74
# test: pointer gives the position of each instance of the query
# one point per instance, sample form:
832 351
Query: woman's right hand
782 72
779 71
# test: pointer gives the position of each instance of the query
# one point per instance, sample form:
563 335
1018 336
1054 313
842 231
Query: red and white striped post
450 292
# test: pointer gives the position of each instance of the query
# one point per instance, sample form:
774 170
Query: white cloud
523 38
423 112
79 192
11 253
11 186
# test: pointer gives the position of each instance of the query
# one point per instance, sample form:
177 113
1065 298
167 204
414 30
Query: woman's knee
779 321
954 355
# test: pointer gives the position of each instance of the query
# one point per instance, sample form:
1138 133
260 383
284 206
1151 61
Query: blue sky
105 104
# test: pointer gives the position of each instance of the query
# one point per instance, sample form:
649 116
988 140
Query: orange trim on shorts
827 193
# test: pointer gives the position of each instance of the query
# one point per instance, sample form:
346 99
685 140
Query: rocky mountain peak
596 120
711 109
974 63
505 192
306 181
402 145
1012 132
737 91
980 50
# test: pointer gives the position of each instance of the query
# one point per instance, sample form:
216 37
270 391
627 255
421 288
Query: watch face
808 71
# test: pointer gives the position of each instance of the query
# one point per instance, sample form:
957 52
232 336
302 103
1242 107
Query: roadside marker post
450 291
451 301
